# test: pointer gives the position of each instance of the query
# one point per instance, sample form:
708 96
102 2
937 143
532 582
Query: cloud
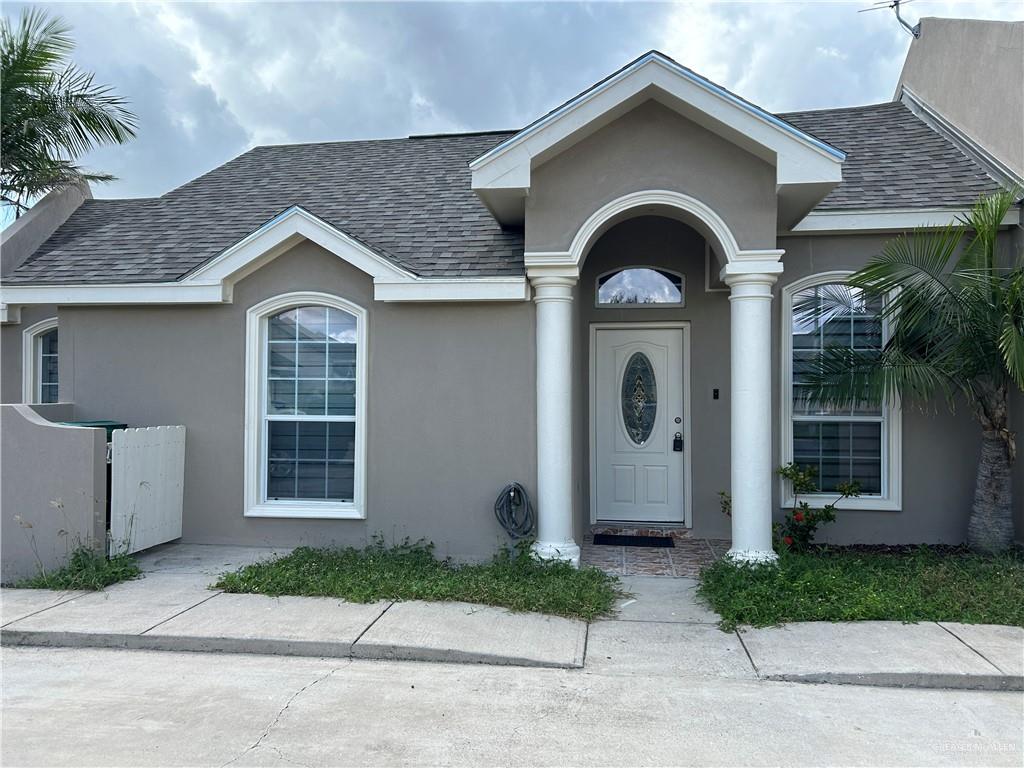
211 80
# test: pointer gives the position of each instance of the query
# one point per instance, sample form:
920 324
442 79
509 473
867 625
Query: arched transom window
639 287
308 461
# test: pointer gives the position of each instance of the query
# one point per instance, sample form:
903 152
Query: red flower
799 517
787 540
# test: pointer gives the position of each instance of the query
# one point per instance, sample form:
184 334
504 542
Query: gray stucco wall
54 479
661 242
972 71
650 147
20 239
452 399
450 405
10 349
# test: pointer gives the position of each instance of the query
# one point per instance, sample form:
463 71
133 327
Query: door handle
677 442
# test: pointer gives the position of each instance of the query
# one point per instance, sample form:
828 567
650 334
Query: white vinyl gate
147 481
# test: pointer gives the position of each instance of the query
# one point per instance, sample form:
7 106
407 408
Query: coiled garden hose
514 511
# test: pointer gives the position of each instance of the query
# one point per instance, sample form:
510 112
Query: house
377 336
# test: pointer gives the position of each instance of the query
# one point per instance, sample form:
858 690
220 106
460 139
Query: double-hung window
859 443
40 370
305 415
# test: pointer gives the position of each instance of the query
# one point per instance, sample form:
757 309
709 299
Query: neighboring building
967 76
376 336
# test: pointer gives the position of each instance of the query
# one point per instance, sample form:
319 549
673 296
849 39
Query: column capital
552 288
751 273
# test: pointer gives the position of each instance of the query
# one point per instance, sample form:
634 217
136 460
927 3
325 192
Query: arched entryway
749 275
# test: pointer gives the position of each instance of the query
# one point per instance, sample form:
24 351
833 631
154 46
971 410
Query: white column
553 296
751 429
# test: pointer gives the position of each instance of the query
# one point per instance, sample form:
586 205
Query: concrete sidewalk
172 608
660 629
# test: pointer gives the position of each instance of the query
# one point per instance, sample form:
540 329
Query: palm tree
954 303
51 112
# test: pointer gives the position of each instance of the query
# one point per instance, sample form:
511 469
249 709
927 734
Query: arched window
639 287
39 363
859 443
305 408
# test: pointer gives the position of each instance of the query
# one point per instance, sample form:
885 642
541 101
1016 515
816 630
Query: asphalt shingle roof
411 201
893 160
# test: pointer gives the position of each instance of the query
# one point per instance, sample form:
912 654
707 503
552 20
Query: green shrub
801 522
513 579
855 584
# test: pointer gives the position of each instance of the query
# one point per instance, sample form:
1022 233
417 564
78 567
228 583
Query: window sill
860 504
306 511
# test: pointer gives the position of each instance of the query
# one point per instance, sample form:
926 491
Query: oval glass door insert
639 398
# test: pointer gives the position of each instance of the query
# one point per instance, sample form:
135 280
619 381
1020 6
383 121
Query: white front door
638 422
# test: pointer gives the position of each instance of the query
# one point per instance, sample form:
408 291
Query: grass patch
834 584
85 569
513 579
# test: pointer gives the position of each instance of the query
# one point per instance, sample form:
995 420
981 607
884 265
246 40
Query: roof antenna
895 5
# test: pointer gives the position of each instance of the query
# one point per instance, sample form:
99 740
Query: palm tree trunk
990 527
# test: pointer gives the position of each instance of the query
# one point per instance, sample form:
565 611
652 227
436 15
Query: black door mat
615 540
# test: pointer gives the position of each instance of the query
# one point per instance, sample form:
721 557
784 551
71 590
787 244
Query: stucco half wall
651 147
450 405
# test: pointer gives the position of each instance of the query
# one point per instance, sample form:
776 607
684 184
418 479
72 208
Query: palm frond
911 273
51 112
1011 332
984 220
955 315
843 378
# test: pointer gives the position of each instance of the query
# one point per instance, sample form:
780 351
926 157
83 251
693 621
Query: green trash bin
110 426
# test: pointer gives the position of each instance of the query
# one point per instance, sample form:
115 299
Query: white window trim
891 498
682 289
31 379
255 465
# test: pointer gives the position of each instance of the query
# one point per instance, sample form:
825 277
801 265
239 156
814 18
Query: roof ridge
838 109
410 137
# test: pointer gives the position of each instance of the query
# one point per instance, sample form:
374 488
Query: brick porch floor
684 560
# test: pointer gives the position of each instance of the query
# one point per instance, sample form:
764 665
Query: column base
758 556
558 550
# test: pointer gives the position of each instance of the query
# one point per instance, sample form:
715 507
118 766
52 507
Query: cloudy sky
210 80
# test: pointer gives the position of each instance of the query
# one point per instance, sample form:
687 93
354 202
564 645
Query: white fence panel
147 483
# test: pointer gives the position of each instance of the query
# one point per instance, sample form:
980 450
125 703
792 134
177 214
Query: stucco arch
656 202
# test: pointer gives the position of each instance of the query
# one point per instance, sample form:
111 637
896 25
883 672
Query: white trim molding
891 498
31 391
281 233
115 293
453 289
9 314
885 220
256 504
